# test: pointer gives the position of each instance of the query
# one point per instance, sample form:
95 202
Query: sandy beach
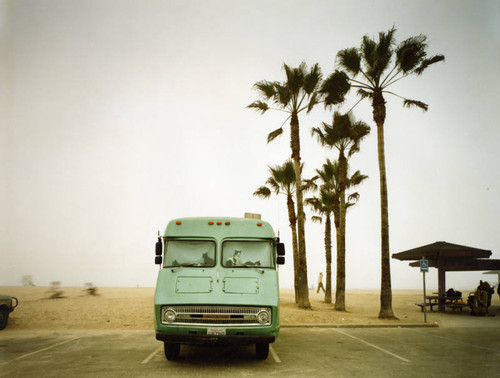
132 309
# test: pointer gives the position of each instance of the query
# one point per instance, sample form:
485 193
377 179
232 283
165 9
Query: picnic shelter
448 257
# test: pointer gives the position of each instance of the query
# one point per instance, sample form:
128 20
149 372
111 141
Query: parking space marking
274 355
459 342
373 346
41 350
150 357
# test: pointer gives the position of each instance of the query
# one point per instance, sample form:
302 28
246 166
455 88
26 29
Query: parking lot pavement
298 352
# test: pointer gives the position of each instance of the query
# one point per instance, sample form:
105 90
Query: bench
455 306
431 305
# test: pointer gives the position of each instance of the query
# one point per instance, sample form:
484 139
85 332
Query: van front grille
216 315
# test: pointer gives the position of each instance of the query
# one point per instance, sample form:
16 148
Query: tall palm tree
293 96
372 69
345 135
282 181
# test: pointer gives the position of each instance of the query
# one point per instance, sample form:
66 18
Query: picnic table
430 301
433 300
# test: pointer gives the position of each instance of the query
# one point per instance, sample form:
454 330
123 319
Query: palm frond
384 49
283 95
295 77
265 88
262 192
352 199
427 62
317 219
365 94
312 79
368 47
310 184
350 60
275 186
335 88
410 53
313 101
356 179
259 106
419 104
377 55
274 134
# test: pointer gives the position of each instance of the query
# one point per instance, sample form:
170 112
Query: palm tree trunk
328 250
293 225
340 290
385 291
303 289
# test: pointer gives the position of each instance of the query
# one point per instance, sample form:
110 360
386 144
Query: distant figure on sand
56 290
91 288
320 283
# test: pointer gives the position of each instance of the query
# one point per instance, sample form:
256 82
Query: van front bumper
214 340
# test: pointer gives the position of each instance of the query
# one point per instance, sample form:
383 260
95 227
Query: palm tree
326 205
345 135
282 181
372 69
295 95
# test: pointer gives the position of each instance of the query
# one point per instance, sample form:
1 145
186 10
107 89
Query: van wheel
172 350
4 317
261 351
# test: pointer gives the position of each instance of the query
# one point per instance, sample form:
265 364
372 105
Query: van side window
247 254
197 253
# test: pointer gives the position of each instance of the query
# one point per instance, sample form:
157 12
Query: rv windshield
247 254
189 253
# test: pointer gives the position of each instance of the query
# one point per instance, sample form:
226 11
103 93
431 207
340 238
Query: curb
402 325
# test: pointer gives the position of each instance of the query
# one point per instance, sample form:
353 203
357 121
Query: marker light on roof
210 223
178 222
219 223
227 223
259 224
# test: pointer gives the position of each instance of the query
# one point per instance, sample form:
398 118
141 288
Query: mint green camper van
218 283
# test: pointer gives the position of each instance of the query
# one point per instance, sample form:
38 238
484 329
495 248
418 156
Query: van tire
4 317
172 351
261 351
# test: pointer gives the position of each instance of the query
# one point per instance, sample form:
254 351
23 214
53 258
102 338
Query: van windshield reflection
247 254
193 253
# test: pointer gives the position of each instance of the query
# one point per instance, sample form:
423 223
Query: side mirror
159 247
158 260
281 249
281 260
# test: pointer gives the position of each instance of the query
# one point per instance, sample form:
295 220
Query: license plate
216 331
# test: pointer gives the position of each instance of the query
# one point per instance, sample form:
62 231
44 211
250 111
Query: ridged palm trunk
386 290
293 226
301 270
328 255
340 290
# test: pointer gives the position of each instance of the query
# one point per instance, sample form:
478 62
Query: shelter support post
441 285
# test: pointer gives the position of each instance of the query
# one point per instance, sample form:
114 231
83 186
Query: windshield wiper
249 266
186 265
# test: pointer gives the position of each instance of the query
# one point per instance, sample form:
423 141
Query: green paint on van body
218 282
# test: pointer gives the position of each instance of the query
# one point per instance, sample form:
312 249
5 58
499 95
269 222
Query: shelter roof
442 250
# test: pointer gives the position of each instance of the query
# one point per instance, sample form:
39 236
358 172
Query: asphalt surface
298 352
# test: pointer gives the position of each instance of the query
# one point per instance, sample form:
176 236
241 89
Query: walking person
320 282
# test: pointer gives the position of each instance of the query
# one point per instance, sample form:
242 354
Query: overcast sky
117 116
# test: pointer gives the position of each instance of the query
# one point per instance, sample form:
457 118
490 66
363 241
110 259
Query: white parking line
373 346
275 356
150 357
41 350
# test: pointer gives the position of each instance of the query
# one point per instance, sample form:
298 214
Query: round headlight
263 316
169 316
